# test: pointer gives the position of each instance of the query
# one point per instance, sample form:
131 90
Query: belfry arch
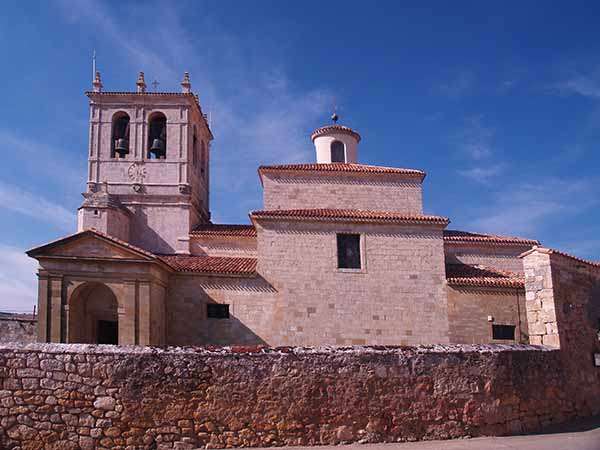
93 315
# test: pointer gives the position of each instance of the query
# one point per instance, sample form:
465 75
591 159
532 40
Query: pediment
90 244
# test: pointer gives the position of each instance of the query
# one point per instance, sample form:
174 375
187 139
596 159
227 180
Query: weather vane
155 85
334 116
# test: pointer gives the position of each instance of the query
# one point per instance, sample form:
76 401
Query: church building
341 252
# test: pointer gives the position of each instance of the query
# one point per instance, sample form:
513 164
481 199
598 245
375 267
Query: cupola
335 143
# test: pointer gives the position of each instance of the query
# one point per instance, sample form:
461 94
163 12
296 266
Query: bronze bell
158 148
122 146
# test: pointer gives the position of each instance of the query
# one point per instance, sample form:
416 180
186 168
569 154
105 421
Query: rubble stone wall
61 396
18 330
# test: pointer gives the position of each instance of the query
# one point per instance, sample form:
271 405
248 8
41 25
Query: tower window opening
338 152
203 158
120 135
157 137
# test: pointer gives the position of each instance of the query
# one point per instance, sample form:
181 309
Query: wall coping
93 349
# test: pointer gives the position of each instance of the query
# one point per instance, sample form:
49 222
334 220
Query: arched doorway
93 315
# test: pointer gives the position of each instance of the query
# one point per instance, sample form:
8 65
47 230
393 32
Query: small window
338 153
503 332
348 249
217 311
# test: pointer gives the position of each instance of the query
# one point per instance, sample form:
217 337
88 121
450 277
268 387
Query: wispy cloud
584 85
44 161
483 175
524 208
475 139
18 290
15 199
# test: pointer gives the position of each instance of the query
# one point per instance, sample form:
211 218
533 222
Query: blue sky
498 103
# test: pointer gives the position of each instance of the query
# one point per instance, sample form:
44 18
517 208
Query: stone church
341 253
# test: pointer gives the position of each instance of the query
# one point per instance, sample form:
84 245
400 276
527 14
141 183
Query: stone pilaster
128 314
539 298
56 312
144 313
43 308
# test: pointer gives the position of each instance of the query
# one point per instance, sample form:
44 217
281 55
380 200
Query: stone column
128 314
43 308
144 313
539 298
56 312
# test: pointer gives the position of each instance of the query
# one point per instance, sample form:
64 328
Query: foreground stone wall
81 396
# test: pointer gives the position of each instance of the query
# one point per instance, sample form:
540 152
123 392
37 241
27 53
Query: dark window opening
157 137
120 136
503 332
195 150
203 158
348 250
217 311
95 212
337 152
108 332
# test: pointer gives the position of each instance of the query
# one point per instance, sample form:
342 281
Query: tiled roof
212 229
551 251
342 167
459 237
334 129
353 215
211 264
466 275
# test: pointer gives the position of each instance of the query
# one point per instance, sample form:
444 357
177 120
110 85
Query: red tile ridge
347 214
223 229
477 275
342 168
551 251
211 264
335 128
460 237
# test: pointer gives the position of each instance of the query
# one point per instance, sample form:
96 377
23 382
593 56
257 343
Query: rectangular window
503 332
217 311
348 251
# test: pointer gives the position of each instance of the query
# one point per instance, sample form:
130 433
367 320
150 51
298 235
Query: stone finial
141 83
186 85
97 83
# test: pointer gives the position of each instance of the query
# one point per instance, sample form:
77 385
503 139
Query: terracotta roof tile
551 251
459 237
211 264
334 129
466 275
353 215
342 167
213 229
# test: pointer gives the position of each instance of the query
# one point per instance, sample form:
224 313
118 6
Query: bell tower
148 166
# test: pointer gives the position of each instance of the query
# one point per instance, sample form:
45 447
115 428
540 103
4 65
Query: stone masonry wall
57 396
348 191
18 330
469 308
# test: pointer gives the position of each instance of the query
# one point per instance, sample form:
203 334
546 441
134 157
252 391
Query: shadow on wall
149 238
227 330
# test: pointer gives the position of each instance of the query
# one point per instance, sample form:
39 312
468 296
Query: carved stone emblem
184 189
137 187
137 172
